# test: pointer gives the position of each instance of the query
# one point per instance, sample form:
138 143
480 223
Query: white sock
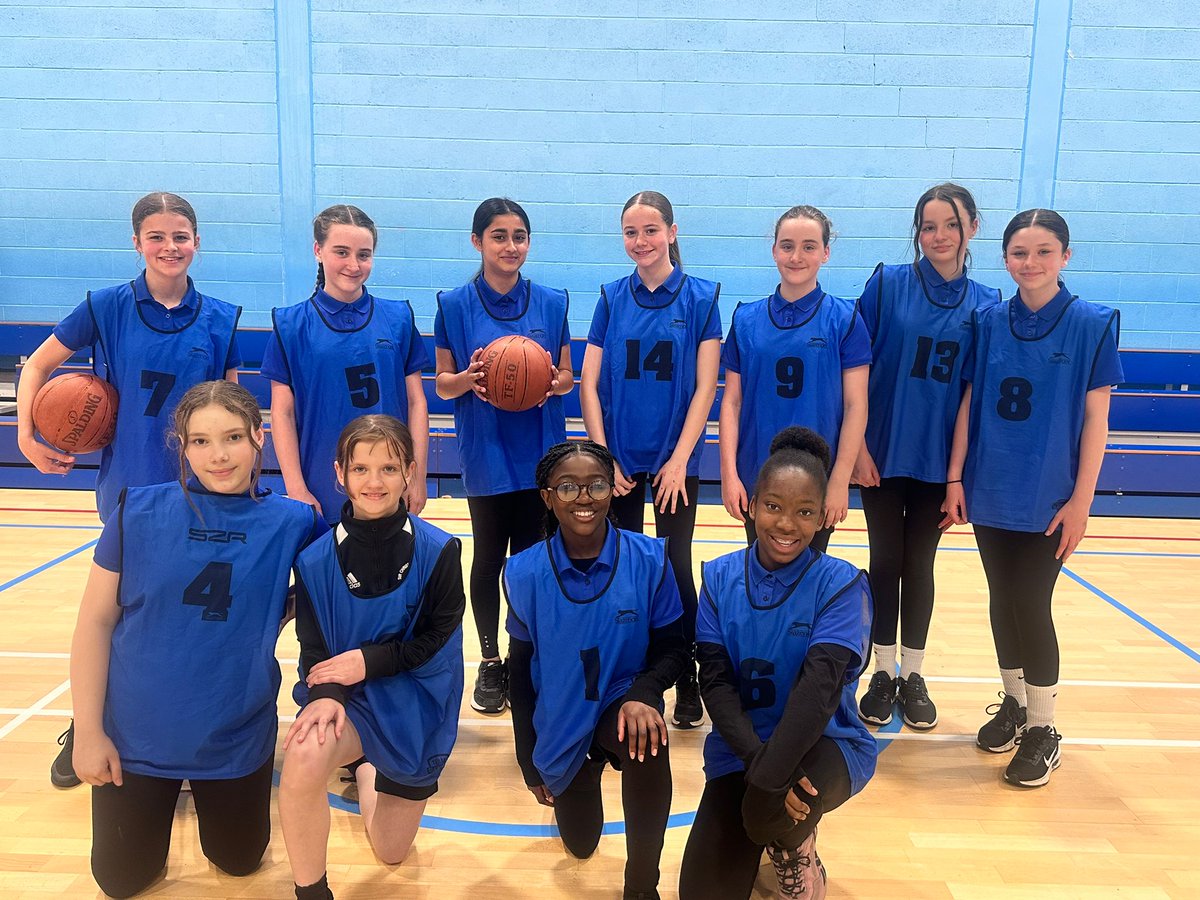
910 661
1014 684
1041 705
885 658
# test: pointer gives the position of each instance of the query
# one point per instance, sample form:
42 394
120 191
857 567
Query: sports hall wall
262 113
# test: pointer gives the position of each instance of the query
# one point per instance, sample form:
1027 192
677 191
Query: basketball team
944 403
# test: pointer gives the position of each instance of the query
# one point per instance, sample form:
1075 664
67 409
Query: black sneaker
491 687
688 711
1006 726
876 704
915 706
62 771
1036 757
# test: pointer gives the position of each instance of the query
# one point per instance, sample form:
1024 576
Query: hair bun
805 440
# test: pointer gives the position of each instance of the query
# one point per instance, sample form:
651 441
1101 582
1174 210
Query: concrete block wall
263 113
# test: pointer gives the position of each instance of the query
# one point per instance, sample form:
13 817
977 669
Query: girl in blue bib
173 667
498 450
1028 446
151 338
594 639
340 354
919 319
783 633
798 357
379 606
649 379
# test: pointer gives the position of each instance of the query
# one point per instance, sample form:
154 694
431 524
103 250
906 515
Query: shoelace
62 738
879 689
788 866
492 678
1034 747
914 689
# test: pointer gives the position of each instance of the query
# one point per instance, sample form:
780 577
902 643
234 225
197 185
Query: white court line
470 665
34 710
23 715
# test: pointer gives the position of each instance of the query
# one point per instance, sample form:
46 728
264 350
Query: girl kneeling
783 633
379 606
596 637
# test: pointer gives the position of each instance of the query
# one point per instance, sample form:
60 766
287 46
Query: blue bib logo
799 629
626 616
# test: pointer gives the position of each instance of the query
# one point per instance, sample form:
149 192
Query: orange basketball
516 372
76 412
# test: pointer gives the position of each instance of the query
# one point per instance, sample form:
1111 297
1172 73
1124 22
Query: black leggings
131 826
820 540
501 524
1021 571
678 527
645 798
902 528
720 862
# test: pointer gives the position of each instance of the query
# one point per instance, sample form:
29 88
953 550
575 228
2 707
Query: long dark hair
1045 218
949 192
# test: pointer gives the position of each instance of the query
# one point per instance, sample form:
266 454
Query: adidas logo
352 582
626 616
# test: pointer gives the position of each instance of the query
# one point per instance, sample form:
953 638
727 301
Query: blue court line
48 565
1141 620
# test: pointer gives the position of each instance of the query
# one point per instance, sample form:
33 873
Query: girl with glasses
595 637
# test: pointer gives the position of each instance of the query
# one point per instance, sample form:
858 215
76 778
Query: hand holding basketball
518 373
76 413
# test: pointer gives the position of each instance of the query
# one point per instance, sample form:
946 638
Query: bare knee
307 766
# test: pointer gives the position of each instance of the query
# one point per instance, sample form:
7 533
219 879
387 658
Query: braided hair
801 448
555 455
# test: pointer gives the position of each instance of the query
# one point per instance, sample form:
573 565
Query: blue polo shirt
345 316
501 306
768 587
78 329
855 347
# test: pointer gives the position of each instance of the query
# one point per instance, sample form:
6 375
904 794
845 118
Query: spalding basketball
76 412
516 372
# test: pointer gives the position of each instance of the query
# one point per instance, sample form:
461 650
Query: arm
1073 516
593 414
523 698
95 759
723 700
563 374
231 375
441 615
733 492
287 443
850 443
34 375
418 425
668 482
776 767
450 383
955 504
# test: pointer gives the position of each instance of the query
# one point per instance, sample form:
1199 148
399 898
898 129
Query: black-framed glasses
569 490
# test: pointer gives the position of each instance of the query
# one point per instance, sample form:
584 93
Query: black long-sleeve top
374 557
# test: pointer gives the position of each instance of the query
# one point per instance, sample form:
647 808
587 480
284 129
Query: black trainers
915 706
1006 726
491 687
688 711
876 704
62 771
1036 757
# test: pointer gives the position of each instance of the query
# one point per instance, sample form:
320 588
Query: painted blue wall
262 113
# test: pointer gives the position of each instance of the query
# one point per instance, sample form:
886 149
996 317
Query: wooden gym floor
1117 819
